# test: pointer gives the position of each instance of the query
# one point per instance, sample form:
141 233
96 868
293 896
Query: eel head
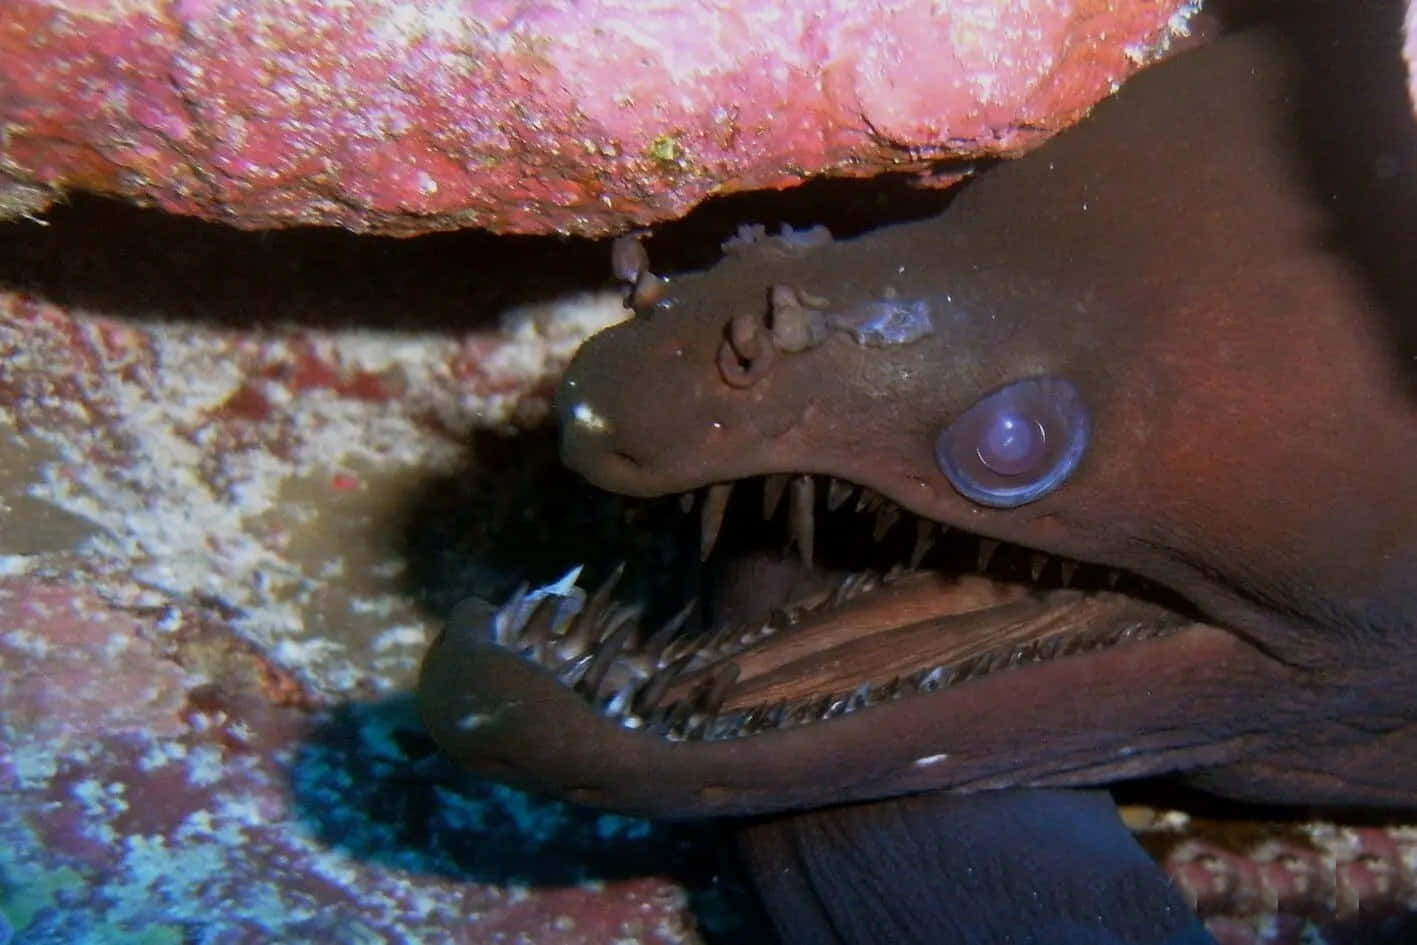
1131 415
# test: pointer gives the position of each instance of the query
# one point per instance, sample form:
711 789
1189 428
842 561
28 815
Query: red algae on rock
136 812
404 117
190 585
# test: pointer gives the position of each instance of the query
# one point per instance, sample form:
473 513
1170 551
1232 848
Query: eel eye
1016 444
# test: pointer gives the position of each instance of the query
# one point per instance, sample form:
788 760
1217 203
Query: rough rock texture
222 550
404 116
145 803
1282 882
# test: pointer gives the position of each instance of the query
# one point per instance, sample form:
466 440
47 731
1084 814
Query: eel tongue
914 624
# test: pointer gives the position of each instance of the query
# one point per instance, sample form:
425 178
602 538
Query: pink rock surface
1293 883
205 625
402 117
144 805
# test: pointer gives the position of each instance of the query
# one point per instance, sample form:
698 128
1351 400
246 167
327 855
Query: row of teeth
802 490
599 648
700 717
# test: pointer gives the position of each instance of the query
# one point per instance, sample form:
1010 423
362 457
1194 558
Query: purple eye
1017 443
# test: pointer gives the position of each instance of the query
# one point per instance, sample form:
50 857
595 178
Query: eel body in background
1177 343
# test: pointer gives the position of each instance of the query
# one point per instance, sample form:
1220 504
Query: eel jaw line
873 638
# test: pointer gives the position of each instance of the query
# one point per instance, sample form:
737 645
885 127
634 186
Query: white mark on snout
584 416
926 761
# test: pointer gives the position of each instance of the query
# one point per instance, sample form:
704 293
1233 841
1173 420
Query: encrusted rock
576 117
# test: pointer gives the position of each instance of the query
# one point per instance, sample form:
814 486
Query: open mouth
903 607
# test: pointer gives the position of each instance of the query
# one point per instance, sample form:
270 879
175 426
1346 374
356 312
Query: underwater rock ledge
585 118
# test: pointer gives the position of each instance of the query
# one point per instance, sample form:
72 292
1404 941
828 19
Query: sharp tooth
678 716
800 714
838 705
595 607
838 492
723 637
886 516
924 541
620 616
508 621
617 705
934 679
649 696
859 698
776 714
1113 576
752 719
569 673
809 603
1036 563
542 622
686 502
803 517
849 587
620 625
723 726
654 646
572 644
772 493
1068 569
685 644
715 503
987 547
723 680
868 500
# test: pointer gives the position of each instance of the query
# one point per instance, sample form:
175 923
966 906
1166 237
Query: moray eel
1173 345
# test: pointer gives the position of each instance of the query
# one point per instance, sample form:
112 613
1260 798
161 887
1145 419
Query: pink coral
404 117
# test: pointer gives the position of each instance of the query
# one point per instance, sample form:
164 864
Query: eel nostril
746 352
